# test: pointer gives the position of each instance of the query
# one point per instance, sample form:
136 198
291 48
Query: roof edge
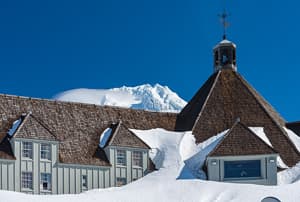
206 99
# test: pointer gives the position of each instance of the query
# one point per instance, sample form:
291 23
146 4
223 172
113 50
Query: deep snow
147 97
176 154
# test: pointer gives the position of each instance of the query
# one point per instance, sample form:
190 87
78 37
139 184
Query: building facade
37 169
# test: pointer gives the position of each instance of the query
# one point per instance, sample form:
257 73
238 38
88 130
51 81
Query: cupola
225 55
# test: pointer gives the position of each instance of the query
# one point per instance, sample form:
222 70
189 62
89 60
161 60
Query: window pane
26 180
120 181
27 150
137 158
45 181
84 181
45 151
242 169
121 157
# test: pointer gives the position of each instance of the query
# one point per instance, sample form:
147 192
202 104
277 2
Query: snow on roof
293 137
105 137
196 159
14 127
225 41
168 187
259 132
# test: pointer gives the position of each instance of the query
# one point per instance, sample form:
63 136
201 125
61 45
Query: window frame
45 151
27 152
26 182
121 159
139 159
47 180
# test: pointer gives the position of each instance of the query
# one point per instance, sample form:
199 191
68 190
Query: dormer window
121 157
137 158
27 150
45 151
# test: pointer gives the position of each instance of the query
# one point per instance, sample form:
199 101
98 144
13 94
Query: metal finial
224 22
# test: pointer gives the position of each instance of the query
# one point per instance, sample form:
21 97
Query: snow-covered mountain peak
147 97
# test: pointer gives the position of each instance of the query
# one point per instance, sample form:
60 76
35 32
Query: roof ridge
267 112
80 103
43 125
21 125
137 137
207 98
37 120
114 134
258 138
227 133
251 89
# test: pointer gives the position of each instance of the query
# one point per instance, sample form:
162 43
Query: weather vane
224 22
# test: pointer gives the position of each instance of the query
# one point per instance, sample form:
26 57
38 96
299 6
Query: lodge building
54 147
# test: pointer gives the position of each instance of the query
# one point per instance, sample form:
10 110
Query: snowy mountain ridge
147 97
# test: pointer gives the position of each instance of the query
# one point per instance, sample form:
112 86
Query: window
121 181
137 158
45 151
27 150
45 184
26 180
84 182
242 169
121 157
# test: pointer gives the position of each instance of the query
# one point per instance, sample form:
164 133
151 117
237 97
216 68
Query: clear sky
50 46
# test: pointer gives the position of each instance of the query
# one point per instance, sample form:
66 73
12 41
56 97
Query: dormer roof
240 140
121 136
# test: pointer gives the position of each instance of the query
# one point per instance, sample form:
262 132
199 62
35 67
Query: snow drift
152 98
175 181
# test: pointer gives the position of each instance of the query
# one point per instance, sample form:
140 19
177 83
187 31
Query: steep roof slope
77 126
231 97
240 140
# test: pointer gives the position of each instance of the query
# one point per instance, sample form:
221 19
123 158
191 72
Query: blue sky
50 46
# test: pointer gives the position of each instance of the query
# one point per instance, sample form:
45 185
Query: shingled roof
123 137
240 140
76 126
228 96
33 128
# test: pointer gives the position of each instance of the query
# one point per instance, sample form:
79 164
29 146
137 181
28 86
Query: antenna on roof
223 18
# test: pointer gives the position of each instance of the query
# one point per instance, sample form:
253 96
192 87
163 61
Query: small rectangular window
84 182
26 179
27 150
45 184
120 181
137 158
121 157
242 169
45 151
